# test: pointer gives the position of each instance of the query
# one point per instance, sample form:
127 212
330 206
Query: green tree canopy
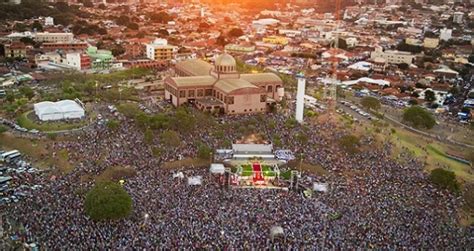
170 138
419 117
204 151
430 96
27 92
370 103
444 179
108 201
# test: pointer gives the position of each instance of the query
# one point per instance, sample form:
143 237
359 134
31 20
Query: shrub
444 179
108 201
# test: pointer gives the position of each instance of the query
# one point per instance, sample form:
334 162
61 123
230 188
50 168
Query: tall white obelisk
300 97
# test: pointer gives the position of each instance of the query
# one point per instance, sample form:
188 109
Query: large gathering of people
382 201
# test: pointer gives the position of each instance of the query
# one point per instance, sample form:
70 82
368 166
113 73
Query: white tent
320 187
195 181
217 168
64 109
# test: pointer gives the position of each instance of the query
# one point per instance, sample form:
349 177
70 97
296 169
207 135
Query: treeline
61 12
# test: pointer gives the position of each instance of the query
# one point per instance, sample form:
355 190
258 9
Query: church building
221 88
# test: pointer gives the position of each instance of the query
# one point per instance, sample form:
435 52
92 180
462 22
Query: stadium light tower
300 97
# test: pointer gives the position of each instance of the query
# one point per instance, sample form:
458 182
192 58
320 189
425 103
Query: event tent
64 109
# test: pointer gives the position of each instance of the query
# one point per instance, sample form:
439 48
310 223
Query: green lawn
24 121
247 170
435 153
268 171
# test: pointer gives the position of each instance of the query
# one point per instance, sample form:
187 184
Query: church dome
225 60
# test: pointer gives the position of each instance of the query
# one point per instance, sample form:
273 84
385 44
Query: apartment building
161 50
46 37
393 56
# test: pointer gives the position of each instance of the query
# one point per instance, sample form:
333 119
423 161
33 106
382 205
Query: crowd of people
381 202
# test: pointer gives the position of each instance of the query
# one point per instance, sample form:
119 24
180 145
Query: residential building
78 61
145 63
458 17
445 34
72 46
15 50
221 88
46 37
276 40
430 43
239 48
48 21
100 59
49 57
161 50
393 56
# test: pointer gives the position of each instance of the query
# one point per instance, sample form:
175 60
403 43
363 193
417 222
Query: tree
370 103
170 138
122 20
350 143
27 92
221 40
183 121
204 151
118 50
419 117
108 201
235 32
160 17
444 179
37 26
132 26
430 96
10 97
27 40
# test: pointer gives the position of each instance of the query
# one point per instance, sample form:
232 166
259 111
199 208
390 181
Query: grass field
187 163
36 150
432 152
24 121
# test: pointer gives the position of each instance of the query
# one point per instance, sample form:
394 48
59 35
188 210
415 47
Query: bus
12 157
4 156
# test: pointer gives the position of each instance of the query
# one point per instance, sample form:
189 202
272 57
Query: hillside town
288 124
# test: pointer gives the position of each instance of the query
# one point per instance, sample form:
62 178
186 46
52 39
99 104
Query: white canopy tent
64 109
217 168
